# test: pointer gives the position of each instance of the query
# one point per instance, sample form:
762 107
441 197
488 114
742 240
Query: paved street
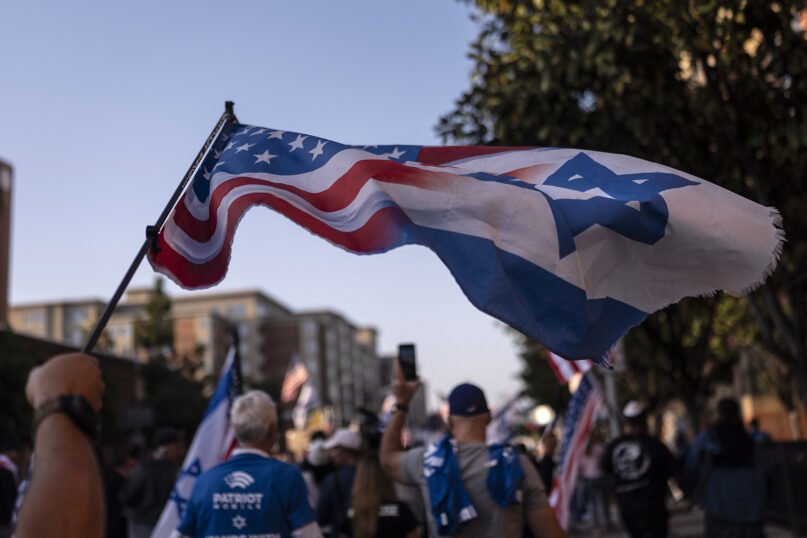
689 524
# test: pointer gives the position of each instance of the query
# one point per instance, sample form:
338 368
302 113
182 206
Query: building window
310 328
78 315
34 318
76 336
310 347
122 331
236 311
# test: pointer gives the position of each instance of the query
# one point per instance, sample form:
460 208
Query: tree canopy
176 400
715 88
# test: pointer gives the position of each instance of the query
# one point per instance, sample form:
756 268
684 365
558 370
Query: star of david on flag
570 247
211 445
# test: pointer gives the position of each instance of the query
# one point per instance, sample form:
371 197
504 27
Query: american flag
565 370
306 401
571 247
583 409
296 376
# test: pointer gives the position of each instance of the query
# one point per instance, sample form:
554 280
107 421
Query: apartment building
341 359
69 322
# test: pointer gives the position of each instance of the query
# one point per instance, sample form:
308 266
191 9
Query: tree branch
767 332
779 320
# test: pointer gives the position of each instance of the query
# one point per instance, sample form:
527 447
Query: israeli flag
211 445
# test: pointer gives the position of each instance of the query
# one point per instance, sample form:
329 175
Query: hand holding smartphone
406 358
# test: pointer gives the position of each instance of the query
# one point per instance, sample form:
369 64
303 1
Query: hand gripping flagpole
152 231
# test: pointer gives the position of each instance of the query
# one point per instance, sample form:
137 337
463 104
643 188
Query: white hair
252 416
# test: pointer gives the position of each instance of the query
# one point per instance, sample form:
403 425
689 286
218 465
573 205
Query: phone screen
406 357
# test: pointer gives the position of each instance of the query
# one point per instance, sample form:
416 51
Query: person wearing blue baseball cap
469 488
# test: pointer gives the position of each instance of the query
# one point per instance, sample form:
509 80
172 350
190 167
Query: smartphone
406 358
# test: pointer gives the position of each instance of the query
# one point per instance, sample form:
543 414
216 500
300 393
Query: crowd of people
723 471
363 482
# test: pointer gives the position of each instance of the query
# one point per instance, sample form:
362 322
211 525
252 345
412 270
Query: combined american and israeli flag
571 247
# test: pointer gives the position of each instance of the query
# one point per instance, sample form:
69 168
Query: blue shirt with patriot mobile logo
250 495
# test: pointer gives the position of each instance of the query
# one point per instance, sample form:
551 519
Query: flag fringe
776 219
605 361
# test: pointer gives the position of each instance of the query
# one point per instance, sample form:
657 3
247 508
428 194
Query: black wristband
400 407
74 406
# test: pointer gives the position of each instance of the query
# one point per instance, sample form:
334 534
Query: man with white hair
251 494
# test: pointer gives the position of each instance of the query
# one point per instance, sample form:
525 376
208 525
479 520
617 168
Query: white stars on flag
317 151
206 174
243 147
259 131
264 157
277 134
395 154
298 143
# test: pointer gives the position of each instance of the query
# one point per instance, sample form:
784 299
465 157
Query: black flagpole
238 383
152 231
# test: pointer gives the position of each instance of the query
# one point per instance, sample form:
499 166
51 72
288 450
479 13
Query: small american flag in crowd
571 247
296 376
306 401
565 370
583 408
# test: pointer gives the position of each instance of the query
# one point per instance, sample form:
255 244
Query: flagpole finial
228 107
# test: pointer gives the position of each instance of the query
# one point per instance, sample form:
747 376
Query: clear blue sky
103 106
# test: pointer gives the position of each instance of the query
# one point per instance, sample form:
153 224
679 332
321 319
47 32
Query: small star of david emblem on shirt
239 522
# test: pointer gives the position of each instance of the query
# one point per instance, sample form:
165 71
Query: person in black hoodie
640 465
